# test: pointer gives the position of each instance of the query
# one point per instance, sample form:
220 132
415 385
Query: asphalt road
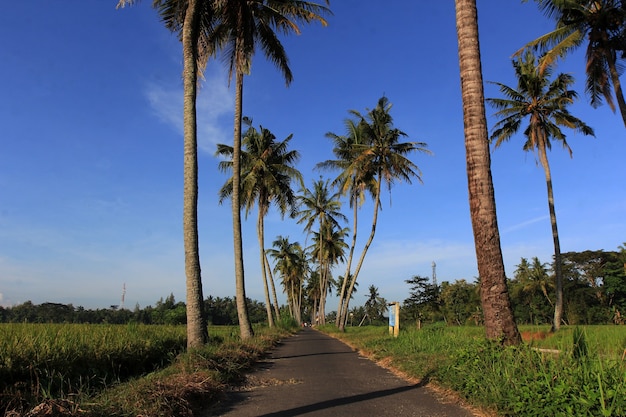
314 374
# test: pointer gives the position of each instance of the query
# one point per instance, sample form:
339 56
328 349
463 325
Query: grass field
577 372
131 370
72 369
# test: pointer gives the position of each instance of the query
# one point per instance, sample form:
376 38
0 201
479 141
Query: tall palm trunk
245 327
322 273
322 304
271 277
499 322
558 274
342 313
346 304
197 334
261 236
297 303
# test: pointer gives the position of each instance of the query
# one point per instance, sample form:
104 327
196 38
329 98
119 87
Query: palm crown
542 101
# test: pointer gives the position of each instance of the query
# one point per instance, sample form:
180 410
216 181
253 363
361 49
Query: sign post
394 318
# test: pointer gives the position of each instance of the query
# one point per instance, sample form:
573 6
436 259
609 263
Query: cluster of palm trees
370 153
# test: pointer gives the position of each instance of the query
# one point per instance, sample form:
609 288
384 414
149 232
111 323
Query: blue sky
91 139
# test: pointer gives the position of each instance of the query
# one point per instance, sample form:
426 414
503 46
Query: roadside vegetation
121 370
578 371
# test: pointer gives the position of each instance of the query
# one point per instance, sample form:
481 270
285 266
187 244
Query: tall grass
120 370
587 377
56 360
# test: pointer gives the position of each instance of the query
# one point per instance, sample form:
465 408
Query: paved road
313 374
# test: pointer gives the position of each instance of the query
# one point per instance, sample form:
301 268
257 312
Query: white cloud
214 103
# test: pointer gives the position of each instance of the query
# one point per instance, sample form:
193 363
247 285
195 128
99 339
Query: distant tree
320 209
423 302
291 264
375 306
356 315
599 283
221 311
532 291
461 302
328 248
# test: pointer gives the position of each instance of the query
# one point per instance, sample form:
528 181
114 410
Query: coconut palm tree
602 24
544 103
375 306
539 278
328 248
291 264
242 25
376 157
498 315
534 276
267 168
320 207
355 183
187 18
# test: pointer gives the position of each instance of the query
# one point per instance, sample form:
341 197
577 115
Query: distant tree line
594 292
219 311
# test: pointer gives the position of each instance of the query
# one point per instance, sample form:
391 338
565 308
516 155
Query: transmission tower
434 273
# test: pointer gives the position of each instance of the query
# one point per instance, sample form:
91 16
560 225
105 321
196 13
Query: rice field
60 360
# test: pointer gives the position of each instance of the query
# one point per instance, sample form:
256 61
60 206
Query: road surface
312 374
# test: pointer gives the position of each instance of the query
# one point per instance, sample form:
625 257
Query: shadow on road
312 354
339 402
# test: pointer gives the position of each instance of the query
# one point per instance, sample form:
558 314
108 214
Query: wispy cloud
524 224
215 103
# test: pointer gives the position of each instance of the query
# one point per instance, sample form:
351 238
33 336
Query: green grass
121 370
606 341
587 377
108 370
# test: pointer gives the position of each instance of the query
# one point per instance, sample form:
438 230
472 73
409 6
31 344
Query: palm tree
534 276
600 22
267 168
375 306
499 322
320 207
544 103
341 286
376 157
291 265
328 248
186 18
242 26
